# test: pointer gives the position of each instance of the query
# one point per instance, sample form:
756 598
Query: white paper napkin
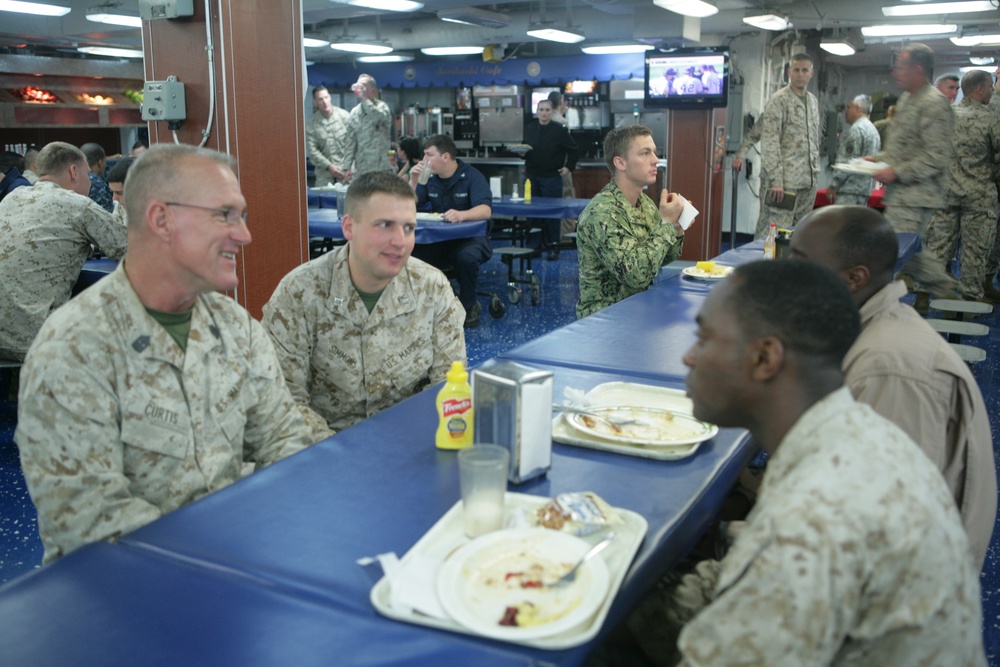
687 215
412 584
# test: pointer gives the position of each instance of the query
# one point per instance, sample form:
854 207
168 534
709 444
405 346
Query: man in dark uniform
553 153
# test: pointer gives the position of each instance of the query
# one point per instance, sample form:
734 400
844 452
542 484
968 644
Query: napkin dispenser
513 408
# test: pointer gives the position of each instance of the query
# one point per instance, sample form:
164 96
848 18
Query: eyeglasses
230 215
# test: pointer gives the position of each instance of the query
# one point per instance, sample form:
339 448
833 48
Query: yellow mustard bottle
454 406
527 190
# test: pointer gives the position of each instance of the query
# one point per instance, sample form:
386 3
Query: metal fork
570 576
614 421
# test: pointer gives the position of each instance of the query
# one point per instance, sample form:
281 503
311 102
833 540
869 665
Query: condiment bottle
771 241
527 190
513 192
454 406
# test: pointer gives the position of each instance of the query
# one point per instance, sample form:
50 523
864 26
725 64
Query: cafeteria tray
448 534
633 394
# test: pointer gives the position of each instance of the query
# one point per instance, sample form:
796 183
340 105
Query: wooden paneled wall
691 151
258 119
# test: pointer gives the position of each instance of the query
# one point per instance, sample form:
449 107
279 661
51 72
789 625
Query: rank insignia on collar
338 302
140 343
215 331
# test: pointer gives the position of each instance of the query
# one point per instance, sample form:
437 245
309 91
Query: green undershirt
177 324
369 298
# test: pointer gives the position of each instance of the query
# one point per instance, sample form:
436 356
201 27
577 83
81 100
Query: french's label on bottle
456 406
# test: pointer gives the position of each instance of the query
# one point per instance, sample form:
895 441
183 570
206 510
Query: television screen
539 94
687 78
585 87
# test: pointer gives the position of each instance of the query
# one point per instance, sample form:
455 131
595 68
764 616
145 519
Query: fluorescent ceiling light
114 19
109 51
604 49
695 8
391 58
982 61
371 48
940 8
388 5
838 48
975 40
767 22
312 42
897 30
475 16
556 35
985 68
33 8
452 50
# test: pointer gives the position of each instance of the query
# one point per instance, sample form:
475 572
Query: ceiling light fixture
841 41
975 40
606 49
539 31
110 51
352 45
983 68
36 8
965 7
99 15
388 5
312 42
897 30
768 22
483 18
391 58
838 48
982 61
695 8
452 50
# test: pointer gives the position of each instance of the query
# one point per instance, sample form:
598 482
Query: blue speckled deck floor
20 548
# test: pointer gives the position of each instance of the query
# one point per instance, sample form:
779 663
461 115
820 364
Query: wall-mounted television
687 78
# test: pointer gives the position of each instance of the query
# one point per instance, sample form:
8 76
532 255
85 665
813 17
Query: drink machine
501 114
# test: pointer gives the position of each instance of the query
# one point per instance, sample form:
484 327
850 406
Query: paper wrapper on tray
576 512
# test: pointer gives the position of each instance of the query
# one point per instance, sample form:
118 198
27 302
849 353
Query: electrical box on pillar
165 9
164 100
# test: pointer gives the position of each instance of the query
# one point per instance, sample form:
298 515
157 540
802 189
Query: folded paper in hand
687 215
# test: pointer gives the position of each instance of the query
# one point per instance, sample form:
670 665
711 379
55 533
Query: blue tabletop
325 222
539 207
321 198
909 245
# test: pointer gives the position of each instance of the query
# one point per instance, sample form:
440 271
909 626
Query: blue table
539 207
909 245
325 223
321 198
92 271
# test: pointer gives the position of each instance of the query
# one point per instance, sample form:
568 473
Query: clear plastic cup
483 477
425 175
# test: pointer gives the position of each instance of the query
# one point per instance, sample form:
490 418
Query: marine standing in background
624 237
327 138
789 148
919 152
948 84
972 208
883 125
369 126
98 162
152 389
47 232
993 265
860 139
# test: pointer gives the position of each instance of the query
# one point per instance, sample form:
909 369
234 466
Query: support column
257 118
691 138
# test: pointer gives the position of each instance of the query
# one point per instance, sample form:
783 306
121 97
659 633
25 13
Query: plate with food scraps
519 148
860 166
642 426
428 216
707 271
494 585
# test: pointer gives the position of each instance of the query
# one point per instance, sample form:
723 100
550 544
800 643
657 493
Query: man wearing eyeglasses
47 232
150 389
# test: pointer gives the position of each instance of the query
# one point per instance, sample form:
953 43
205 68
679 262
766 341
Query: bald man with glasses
151 389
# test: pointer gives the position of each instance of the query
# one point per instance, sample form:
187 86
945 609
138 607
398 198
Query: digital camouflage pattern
118 426
972 196
327 142
621 248
859 140
369 125
46 234
833 565
789 148
347 364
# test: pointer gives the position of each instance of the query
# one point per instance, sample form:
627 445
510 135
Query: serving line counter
266 569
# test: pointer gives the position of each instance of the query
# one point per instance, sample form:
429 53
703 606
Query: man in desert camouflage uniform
993 265
150 389
789 148
327 138
365 326
831 566
860 139
972 187
369 126
919 153
46 234
623 237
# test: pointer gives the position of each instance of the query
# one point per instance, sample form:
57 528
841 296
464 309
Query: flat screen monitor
687 78
539 94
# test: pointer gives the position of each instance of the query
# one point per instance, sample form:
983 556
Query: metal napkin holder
513 409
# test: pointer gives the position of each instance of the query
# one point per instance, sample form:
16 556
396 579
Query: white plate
697 274
484 578
863 167
428 216
654 427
